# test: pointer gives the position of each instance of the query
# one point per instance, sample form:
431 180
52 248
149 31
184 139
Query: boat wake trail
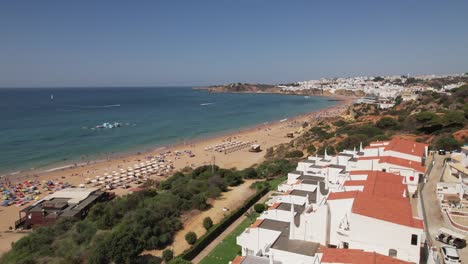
93 106
205 104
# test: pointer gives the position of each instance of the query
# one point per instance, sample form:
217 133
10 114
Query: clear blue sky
121 43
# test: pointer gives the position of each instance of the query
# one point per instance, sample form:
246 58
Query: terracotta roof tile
406 146
342 195
403 163
238 260
274 206
356 256
392 210
257 223
355 183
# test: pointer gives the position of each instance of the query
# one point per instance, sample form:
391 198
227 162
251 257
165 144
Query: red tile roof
274 206
369 158
257 223
359 172
406 146
342 195
355 183
397 211
356 256
384 184
238 260
382 198
403 163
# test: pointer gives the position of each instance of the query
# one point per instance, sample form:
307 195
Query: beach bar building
67 203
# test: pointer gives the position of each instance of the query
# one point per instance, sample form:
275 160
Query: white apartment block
347 208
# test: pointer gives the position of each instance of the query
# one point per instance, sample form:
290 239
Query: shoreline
268 135
21 174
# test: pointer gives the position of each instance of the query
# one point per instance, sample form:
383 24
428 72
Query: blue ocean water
37 132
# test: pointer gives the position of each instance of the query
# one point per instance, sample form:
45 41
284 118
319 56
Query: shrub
311 149
250 173
207 223
179 261
191 238
294 154
167 255
259 208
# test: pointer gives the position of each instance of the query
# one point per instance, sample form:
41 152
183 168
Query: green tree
387 123
207 223
448 143
259 208
250 173
167 255
453 119
191 238
311 149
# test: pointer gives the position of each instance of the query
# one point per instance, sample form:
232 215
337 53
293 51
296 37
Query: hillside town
383 87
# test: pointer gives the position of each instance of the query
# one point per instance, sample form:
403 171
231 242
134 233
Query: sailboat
51 97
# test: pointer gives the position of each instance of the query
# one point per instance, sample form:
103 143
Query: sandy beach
266 135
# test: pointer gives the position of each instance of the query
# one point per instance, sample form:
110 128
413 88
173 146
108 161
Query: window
384 170
392 252
414 240
345 245
411 178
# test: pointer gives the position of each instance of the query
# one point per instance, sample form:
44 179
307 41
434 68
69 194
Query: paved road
434 219
226 232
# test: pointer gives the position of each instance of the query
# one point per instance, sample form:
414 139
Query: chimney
270 258
404 193
307 201
292 224
360 147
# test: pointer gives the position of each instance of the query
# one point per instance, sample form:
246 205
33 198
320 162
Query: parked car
450 238
441 151
450 255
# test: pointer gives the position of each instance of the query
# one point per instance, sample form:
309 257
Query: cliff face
242 88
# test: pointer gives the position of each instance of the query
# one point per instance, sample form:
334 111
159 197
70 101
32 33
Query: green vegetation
447 143
294 154
119 230
311 149
259 208
207 223
179 261
167 255
191 238
227 250
387 123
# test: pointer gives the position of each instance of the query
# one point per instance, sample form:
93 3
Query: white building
356 201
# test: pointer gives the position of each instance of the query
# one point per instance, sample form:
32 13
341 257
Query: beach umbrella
116 178
93 181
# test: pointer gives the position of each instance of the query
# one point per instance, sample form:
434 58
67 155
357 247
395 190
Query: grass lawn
227 249
276 181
